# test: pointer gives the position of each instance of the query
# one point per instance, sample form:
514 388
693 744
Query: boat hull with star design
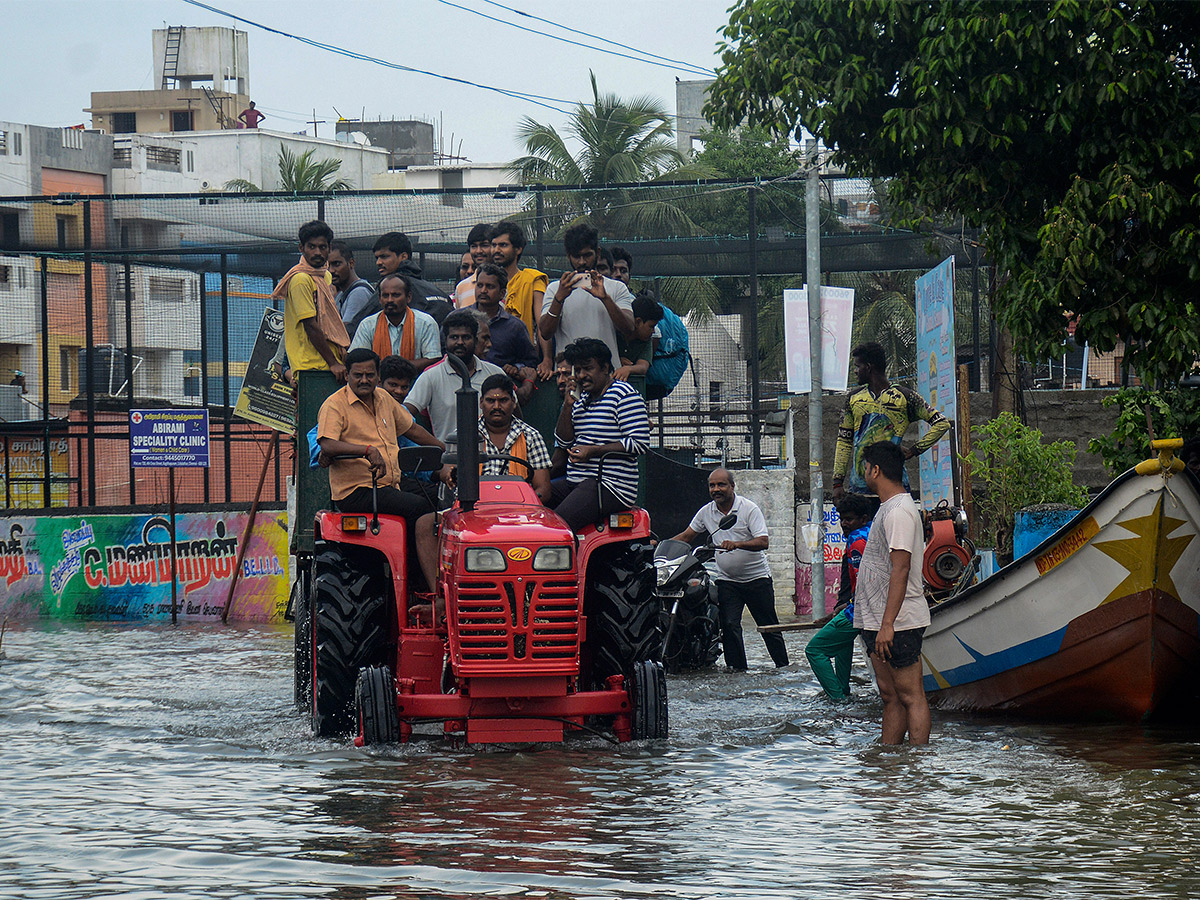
1101 620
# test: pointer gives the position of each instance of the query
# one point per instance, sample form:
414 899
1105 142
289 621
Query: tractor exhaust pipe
467 421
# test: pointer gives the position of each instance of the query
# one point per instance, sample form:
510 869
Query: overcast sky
58 51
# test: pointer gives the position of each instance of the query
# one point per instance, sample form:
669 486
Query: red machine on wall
545 632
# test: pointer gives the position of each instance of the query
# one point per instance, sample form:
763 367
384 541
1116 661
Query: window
191 161
63 224
714 392
16 143
452 180
124 122
3 143
4 278
181 120
165 159
67 361
72 138
10 231
166 290
122 157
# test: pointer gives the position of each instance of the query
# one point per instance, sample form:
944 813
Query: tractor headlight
552 559
485 559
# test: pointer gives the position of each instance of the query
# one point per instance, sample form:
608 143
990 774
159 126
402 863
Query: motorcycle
687 595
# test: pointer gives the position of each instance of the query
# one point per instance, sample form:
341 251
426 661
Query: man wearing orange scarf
399 330
313 333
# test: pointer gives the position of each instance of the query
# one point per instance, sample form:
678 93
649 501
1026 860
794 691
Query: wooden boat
1100 620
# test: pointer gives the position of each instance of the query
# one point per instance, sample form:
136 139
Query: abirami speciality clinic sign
168 438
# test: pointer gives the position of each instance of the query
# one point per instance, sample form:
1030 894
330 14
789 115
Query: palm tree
301 174
622 142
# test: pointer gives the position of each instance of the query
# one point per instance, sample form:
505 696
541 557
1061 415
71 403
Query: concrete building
408 142
207 160
449 177
690 97
68 163
203 78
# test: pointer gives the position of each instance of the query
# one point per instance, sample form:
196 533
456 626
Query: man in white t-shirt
744 578
889 599
583 303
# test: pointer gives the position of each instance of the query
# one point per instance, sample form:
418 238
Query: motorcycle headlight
662 573
485 559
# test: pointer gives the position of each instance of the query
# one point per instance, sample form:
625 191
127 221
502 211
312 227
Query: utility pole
812 243
314 121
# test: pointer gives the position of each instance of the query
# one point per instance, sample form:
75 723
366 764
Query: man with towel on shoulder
313 333
400 330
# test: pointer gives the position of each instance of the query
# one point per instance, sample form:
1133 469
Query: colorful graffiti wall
118 567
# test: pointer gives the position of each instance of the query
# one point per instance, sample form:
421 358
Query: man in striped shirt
599 416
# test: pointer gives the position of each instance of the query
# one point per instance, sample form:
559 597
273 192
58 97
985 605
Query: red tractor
545 632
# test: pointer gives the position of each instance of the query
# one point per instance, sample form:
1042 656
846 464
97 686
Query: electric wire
702 70
553 104
686 67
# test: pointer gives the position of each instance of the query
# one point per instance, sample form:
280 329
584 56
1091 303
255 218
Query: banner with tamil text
118 567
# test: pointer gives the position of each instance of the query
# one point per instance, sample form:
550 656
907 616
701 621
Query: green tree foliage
1173 413
1068 130
300 173
619 142
1011 468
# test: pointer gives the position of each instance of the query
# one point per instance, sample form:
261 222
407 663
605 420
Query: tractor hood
506 523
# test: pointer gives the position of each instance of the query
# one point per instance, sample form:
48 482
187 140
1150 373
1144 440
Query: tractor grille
527 620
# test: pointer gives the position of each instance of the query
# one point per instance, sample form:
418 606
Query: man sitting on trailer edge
363 421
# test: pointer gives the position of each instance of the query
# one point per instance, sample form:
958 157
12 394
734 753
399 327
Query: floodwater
145 762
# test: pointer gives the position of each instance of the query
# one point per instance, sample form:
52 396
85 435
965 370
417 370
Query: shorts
906 646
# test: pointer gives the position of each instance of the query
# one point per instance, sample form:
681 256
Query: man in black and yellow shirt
878 411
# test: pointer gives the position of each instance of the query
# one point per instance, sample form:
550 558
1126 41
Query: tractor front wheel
375 697
648 686
302 646
348 632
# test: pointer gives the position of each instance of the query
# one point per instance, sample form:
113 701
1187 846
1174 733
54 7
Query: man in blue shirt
512 348
830 652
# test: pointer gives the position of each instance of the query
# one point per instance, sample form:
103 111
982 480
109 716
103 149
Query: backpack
670 356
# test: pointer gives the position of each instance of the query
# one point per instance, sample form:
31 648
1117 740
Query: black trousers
579 505
759 596
391 502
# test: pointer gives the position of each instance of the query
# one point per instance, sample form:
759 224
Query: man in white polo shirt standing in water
745 576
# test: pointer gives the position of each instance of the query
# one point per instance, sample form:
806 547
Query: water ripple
151 762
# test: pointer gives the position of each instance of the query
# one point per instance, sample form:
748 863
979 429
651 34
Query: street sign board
168 438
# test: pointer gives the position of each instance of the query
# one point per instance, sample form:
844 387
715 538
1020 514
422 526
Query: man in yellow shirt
313 333
526 287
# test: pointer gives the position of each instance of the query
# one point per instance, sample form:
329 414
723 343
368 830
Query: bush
1013 468
1173 413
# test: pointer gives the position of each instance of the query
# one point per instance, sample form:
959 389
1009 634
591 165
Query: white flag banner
837 320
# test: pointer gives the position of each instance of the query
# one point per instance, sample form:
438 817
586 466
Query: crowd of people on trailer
389 344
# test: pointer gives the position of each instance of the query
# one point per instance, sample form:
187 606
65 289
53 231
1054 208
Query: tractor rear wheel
623 622
302 646
349 631
648 685
375 697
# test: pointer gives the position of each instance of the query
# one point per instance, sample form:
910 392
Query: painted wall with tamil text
117 567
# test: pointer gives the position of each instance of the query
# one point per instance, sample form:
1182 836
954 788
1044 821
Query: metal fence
119 302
